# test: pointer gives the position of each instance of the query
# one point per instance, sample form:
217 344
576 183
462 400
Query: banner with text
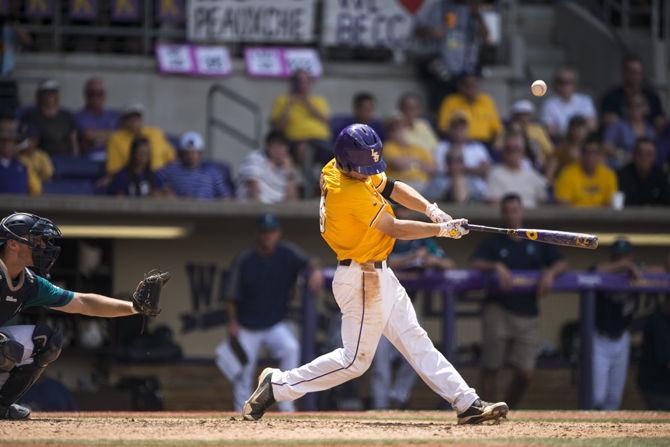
251 20
281 62
194 60
369 23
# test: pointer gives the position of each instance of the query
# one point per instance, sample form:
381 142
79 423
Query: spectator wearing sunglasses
566 103
96 123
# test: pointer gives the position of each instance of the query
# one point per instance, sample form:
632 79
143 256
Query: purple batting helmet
358 148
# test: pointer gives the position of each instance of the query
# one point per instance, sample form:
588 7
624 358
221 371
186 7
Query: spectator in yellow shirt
589 182
34 157
479 108
418 130
303 119
132 126
406 162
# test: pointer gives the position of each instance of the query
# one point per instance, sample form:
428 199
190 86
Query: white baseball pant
24 335
383 387
610 368
281 344
373 303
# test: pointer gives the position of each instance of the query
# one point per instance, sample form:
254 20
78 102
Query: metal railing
250 139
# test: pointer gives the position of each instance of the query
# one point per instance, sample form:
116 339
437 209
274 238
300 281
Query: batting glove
436 215
454 229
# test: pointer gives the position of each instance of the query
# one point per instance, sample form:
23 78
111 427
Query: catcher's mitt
148 292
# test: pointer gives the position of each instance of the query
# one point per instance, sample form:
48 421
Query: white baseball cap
523 106
191 141
133 109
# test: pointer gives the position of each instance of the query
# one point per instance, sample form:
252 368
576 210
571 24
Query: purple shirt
107 120
13 177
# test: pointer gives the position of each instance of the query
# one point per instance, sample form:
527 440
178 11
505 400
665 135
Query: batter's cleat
14 412
261 399
481 411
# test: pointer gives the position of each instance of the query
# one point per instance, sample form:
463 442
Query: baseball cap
48 85
621 246
458 117
268 222
133 109
523 106
191 141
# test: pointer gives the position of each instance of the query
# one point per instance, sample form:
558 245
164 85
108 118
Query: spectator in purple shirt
189 177
95 122
363 108
137 179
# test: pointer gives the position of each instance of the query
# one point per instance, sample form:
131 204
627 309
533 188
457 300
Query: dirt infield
523 428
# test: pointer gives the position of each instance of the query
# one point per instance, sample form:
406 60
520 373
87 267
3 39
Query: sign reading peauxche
251 20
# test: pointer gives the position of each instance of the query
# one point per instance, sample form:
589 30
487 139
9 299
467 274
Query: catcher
27 240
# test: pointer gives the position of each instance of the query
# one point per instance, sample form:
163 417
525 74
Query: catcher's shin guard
47 345
11 353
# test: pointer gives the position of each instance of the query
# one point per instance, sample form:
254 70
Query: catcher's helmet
358 148
19 226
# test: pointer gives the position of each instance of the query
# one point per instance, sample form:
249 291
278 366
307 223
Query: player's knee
47 343
361 363
11 353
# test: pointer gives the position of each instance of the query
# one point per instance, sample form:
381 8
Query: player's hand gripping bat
579 240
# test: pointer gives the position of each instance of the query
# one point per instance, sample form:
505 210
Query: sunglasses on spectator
565 81
95 92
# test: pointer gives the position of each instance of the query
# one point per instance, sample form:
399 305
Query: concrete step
536 19
544 55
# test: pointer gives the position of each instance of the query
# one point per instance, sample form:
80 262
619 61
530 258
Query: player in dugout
358 223
27 252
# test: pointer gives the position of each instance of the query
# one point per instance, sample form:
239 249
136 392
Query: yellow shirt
481 115
415 173
422 135
301 124
348 213
118 149
40 162
576 188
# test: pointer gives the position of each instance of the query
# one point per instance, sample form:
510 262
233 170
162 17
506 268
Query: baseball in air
538 88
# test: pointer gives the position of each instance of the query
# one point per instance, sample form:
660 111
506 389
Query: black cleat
261 399
481 411
14 412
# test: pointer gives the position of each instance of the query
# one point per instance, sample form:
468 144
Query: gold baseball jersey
348 212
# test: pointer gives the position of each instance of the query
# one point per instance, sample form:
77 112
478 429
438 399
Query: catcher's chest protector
13 297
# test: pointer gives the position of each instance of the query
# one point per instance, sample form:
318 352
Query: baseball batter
27 240
358 223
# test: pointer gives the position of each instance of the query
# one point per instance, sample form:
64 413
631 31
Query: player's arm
95 305
412 199
412 229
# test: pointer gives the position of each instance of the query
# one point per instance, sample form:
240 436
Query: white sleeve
589 108
482 154
251 167
492 185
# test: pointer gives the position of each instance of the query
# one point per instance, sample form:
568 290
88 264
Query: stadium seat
70 167
70 186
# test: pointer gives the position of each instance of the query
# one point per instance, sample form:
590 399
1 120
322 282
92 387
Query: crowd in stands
470 151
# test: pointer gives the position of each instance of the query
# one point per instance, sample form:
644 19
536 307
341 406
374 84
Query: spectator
14 35
131 127
15 177
57 126
479 108
418 130
455 30
621 135
642 181
614 317
257 294
615 101
663 148
268 175
34 157
654 372
569 150
510 319
95 122
137 179
189 177
387 391
363 113
588 182
410 164
538 148
475 156
513 177
303 118
558 109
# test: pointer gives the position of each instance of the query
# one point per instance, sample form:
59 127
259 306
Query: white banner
369 23
275 62
251 20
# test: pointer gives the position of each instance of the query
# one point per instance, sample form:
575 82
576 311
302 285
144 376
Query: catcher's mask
20 226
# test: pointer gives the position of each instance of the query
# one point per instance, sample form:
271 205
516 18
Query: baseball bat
568 239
